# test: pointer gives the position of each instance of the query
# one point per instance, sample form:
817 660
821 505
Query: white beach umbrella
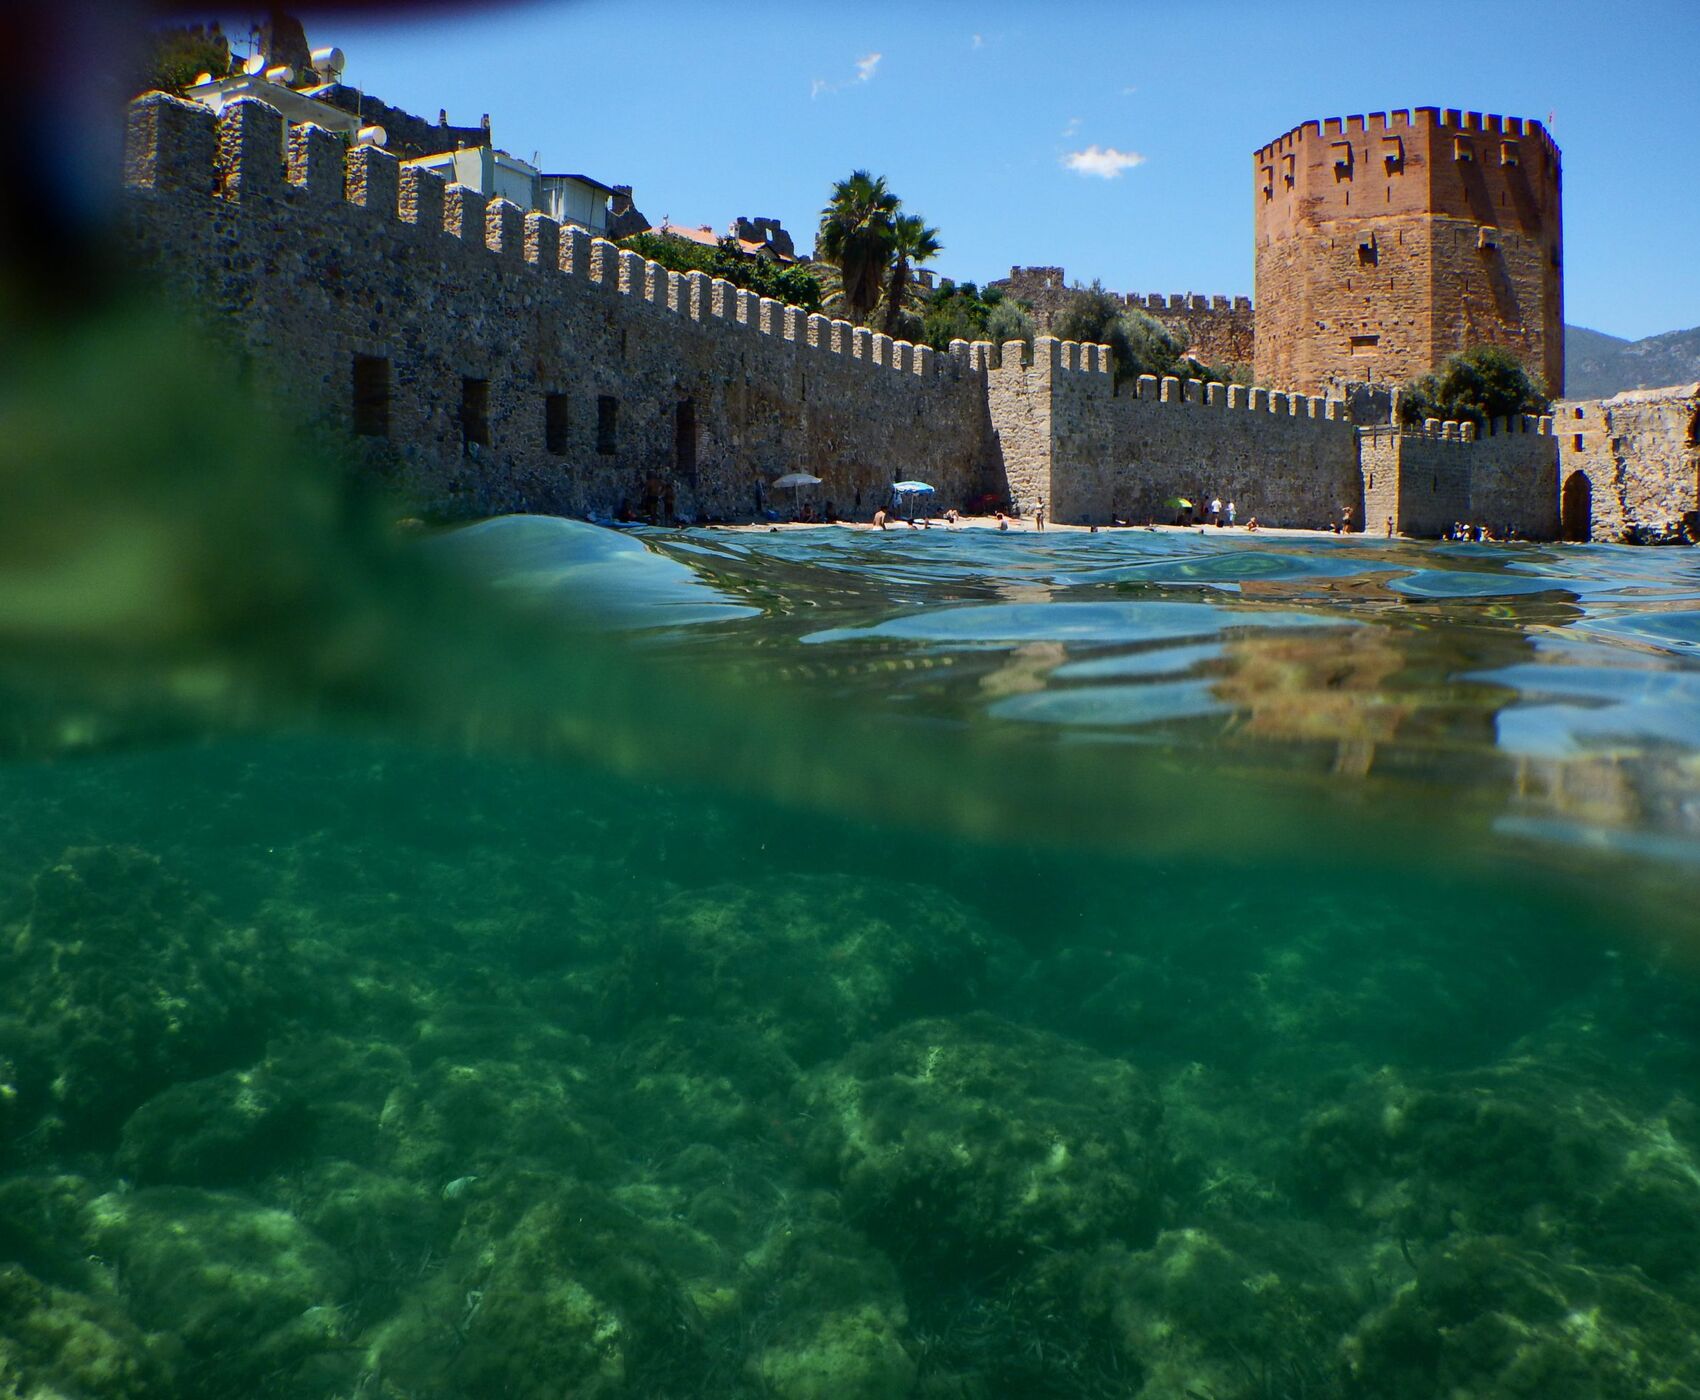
797 481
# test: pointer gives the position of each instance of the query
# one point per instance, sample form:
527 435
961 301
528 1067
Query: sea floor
962 967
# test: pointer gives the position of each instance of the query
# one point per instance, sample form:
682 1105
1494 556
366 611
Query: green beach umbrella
1178 502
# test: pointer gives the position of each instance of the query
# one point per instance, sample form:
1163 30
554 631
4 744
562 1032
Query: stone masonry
1096 451
1430 479
487 360
1633 459
1385 243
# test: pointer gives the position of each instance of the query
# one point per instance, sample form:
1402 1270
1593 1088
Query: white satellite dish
372 136
283 75
256 64
329 62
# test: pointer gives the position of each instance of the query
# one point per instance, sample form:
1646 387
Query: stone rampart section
1219 330
492 360
1385 243
1630 460
1095 453
1428 480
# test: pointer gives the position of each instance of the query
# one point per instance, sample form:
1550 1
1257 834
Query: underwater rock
832 1318
1237 1314
1483 1317
969 1143
121 982
220 1131
572 1300
470 1117
58 1345
247 1290
689 1081
41 1228
816 963
1526 1150
850 1355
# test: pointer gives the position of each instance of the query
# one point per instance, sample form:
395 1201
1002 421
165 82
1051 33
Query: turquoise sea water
841 964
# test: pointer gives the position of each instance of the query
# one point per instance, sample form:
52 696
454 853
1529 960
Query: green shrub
792 284
1474 386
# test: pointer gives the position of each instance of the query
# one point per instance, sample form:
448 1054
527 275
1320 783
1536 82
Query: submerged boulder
815 963
59 1345
1523 1150
973 1142
246 1290
121 982
1237 1313
219 1131
1485 1317
833 1318
552 1291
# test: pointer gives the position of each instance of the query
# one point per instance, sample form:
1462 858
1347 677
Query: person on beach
1345 520
950 518
1039 516
1251 525
1003 521
1390 527
879 518
1230 515
1215 515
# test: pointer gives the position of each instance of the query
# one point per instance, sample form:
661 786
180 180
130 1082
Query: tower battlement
1385 242
1402 120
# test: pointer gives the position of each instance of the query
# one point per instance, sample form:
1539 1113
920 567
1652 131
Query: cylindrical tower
1387 242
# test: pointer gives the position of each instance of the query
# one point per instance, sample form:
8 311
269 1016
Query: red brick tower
1386 243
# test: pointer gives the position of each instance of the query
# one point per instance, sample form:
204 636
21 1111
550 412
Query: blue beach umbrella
911 489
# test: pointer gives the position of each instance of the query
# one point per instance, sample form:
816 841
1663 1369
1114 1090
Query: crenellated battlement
1186 301
486 358
249 152
1404 120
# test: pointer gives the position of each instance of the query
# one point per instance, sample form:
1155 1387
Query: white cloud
1072 127
979 43
1106 162
865 67
1129 91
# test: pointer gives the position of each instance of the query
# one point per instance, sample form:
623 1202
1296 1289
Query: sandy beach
1026 526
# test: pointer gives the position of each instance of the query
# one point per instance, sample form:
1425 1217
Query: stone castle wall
1124 452
1428 480
1219 330
1633 459
491 360
1386 243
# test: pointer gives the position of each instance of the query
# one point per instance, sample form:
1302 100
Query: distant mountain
1597 366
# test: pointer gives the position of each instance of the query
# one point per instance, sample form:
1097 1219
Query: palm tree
856 236
911 242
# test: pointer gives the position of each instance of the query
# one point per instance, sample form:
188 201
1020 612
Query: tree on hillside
963 312
1474 386
792 284
1139 344
912 242
1007 321
172 58
857 235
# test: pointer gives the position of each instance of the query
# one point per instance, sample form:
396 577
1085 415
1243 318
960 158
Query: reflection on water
829 964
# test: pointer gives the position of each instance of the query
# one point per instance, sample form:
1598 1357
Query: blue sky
973 113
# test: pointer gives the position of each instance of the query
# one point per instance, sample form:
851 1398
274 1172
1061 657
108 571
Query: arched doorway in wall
1576 508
